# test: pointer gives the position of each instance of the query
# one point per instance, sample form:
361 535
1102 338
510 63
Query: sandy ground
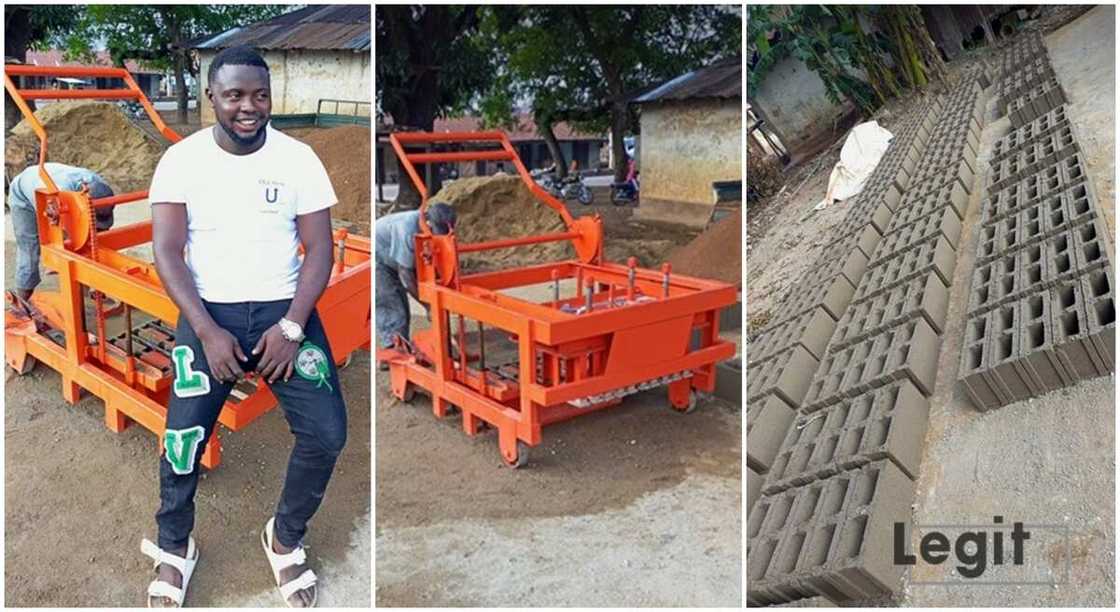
1049 460
78 499
635 505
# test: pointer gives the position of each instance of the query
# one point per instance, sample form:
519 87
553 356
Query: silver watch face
292 330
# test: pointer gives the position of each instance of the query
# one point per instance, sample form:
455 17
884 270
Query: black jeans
311 401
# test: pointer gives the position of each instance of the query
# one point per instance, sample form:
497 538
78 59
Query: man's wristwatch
291 330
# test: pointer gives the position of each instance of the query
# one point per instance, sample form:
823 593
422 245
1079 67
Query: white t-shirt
242 241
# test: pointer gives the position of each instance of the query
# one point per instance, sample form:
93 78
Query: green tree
430 63
27 26
582 64
846 46
157 34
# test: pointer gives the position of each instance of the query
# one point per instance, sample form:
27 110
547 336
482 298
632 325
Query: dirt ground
634 506
1049 460
78 499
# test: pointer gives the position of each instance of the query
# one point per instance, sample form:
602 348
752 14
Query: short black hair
241 55
441 218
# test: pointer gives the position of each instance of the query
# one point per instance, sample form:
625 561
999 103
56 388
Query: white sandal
280 562
185 565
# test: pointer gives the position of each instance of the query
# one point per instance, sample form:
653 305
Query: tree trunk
181 94
620 118
544 127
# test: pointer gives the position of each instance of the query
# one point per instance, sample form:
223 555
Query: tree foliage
430 63
864 54
580 64
156 34
29 26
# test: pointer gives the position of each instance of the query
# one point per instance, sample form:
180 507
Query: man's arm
169 236
318 258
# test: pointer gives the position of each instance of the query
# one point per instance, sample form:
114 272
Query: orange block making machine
131 369
618 330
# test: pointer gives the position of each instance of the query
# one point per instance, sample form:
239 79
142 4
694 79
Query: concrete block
754 488
1071 331
1039 362
1100 306
786 375
767 422
975 358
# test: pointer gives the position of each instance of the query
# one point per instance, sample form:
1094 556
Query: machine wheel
522 457
409 393
690 407
585 196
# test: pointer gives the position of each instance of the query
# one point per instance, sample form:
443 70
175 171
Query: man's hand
222 353
279 355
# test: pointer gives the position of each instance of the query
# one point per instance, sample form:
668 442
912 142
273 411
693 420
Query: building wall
300 78
686 146
793 101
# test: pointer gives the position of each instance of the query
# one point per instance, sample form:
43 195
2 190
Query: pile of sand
717 253
497 207
98 136
345 152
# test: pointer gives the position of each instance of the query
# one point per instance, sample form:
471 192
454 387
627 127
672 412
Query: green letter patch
311 363
181 447
188 383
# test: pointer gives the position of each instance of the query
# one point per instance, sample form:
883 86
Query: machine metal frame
624 330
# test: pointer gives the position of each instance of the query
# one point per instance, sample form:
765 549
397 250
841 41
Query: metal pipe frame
665 329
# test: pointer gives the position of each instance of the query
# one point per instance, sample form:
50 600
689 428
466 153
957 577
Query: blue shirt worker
21 201
395 260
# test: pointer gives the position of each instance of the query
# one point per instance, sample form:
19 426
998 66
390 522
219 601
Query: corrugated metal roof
723 79
318 27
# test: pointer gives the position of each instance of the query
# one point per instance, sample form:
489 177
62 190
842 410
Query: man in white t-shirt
231 206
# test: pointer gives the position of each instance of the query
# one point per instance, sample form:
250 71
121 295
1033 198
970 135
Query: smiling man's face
242 100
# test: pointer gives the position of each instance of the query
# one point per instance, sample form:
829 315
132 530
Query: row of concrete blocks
941 167
1040 127
1026 47
781 367
1045 341
784 355
1055 140
924 297
936 255
927 199
886 423
1030 74
943 221
1031 158
903 336
1040 100
830 538
1063 229
1040 185
908 350
1038 267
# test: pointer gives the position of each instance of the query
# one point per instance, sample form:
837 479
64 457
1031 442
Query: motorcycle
624 192
570 188
132 109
